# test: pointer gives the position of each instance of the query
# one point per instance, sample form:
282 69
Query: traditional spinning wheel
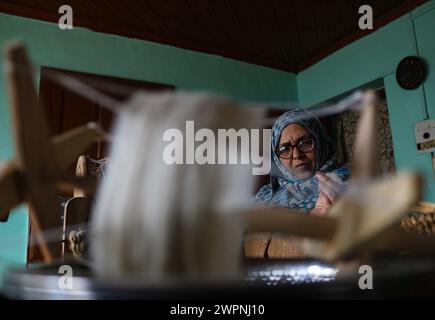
37 169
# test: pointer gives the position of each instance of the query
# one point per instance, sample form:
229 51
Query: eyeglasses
285 151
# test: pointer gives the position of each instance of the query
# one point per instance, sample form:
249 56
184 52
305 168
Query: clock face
411 72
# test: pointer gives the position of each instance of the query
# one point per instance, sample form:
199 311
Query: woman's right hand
322 205
329 192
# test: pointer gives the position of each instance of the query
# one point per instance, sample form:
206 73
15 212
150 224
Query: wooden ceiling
284 34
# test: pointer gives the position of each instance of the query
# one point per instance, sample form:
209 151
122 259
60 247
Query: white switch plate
425 136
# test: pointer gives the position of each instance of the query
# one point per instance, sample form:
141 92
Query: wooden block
290 221
284 246
279 227
255 244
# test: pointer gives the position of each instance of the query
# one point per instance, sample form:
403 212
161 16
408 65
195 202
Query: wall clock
411 72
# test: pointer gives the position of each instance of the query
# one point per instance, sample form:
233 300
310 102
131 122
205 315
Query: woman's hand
329 191
322 205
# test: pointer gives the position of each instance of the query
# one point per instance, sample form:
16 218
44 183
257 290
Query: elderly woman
304 172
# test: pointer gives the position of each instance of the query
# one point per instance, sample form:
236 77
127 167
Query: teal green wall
84 50
362 61
425 29
375 57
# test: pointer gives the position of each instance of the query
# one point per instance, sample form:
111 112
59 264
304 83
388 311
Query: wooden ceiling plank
391 15
262 32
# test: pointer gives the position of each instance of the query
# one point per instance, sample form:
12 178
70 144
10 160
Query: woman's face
301 164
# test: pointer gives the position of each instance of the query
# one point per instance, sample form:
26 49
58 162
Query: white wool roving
156 221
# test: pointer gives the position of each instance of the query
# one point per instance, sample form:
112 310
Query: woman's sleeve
340 177
343 173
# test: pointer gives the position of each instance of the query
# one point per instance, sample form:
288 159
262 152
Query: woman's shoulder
264 194
343 172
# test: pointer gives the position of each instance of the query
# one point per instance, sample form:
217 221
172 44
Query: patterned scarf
285 190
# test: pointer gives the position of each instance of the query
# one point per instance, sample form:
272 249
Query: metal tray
263 279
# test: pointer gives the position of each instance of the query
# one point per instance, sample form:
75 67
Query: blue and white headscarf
285 190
